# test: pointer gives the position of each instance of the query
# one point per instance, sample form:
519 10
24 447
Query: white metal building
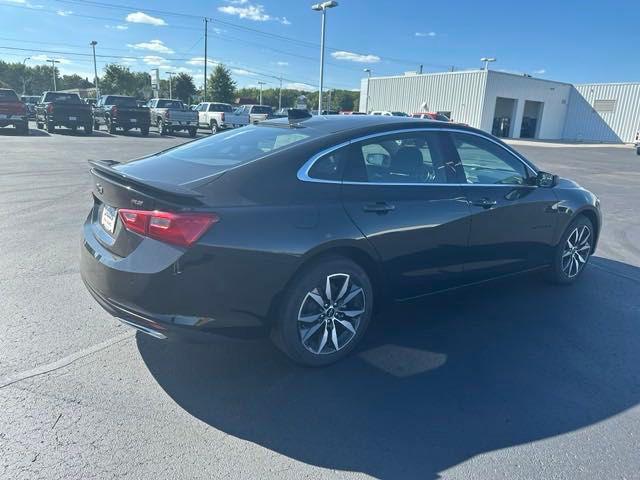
514 106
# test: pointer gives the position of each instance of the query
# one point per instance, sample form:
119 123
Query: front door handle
379 207
484 203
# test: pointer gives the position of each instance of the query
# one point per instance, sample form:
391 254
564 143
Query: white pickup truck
248 114
213 116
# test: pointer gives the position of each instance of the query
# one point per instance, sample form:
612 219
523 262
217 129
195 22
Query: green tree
220 85
119 80
183 87
74 81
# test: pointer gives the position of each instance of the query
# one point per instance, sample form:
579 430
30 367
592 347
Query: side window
487 163
398 158
329 167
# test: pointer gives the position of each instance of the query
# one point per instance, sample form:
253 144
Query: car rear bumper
162 302
127 123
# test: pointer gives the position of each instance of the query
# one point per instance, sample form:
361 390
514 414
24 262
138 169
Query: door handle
484 203
378 207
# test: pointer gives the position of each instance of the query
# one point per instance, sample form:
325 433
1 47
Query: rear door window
397 158
8 96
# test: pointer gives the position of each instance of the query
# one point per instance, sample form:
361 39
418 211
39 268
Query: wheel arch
592 215
367 260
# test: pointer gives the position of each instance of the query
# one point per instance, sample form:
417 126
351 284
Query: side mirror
547 180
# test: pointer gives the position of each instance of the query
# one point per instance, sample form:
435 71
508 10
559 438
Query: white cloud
299 86
426 34
541 71
128 60
64 13
199 61
355 57
44 58
249 11
117 27
153 60
282 64
152 45
141 17
240 71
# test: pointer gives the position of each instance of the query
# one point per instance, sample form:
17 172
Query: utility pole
261 83
53 69
171 74
206 29
420 69
95 69
366 98
280 94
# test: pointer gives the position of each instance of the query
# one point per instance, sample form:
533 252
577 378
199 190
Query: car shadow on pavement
436 382
10 132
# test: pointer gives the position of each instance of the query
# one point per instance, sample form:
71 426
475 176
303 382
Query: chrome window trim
303 172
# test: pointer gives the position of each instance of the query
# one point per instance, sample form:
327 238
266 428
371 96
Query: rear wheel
325 312
193 132
144 131
88 129
96 126
162 128
638 150
51 127
573 252
22 128
39 125
214 127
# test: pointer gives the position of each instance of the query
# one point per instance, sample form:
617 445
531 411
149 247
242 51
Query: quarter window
329 167
397 158
484 162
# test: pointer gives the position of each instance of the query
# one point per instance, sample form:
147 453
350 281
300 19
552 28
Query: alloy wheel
330 314
576 251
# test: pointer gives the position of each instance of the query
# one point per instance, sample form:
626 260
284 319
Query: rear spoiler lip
106 166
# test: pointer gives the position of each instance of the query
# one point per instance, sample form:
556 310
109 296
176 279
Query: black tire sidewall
288 338
557 275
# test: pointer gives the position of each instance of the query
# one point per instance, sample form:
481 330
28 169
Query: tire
111 128
39 125
88 129
214 127
192 132
567 267
315 345
162 128
51 128
144 131
638 150
22 129
96 126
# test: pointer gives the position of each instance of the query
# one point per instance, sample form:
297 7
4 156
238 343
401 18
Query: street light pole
280 95
53 69
24 76
261 83
95 69
322 7
366 98
171 74
486 61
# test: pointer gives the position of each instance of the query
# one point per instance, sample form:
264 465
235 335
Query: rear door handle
484 203
378 207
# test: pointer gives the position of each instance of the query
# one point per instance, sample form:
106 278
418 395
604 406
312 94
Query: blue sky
576 42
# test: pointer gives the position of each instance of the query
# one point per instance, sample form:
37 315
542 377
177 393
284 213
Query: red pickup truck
13 111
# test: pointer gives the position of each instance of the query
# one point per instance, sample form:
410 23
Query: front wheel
573 252
325 312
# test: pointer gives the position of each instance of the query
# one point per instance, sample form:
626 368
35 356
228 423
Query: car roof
336 123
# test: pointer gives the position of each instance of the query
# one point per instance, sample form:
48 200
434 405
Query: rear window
121 101
260 109
235 147
62 97
442 118
174 104
220 107
8 96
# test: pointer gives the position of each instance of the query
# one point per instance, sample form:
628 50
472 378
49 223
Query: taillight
50 108
166 114
114 110
222 116
182 229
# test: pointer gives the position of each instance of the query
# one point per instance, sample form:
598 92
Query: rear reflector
182 229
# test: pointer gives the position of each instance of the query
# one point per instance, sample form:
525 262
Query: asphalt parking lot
515 379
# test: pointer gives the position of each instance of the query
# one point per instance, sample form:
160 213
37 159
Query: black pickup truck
119 111
63 109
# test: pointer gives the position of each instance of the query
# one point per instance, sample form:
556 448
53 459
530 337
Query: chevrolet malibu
297 228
